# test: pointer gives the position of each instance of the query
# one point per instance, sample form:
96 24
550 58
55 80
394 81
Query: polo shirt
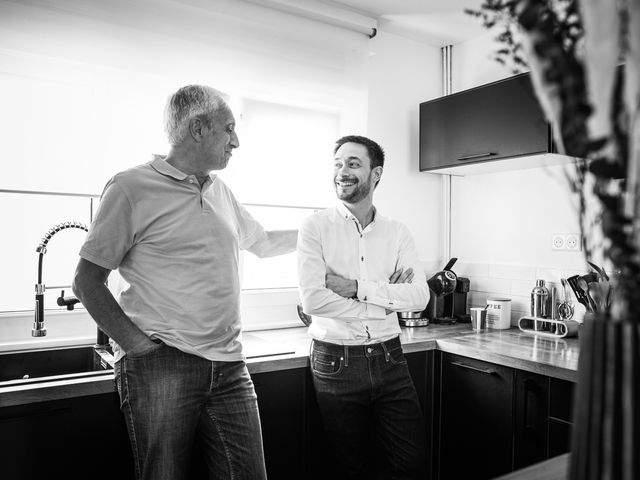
175 245
334 241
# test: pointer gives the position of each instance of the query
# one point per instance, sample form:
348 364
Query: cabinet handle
469 157
488 371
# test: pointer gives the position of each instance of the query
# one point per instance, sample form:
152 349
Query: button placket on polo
196 186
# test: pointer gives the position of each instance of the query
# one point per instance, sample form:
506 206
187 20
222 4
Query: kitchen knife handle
488 371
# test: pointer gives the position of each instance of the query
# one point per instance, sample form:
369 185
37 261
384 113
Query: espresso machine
452 307
446 305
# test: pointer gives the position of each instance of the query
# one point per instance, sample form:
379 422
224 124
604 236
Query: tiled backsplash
510 281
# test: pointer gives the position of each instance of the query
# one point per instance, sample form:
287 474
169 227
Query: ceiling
436 22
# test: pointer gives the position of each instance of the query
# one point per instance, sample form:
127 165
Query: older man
356 269
173 230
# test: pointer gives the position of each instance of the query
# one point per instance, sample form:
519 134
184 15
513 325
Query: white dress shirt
333 241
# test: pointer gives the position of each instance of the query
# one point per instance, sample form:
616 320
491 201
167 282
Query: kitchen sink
54 364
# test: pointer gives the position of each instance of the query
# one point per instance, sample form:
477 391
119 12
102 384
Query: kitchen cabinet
81 437
498 418
283 400
86 437
491 122
560 418
530 421
476 419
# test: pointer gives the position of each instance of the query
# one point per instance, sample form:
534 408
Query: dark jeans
170 399
363 387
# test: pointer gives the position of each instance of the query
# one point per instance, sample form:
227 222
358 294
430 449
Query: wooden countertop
552 357
556 468
282 349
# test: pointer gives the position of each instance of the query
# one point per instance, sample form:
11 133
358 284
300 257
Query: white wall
403 73
502 223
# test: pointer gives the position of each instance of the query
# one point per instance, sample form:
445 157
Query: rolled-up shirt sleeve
316 298
399 297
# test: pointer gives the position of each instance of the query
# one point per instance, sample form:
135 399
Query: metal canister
539 296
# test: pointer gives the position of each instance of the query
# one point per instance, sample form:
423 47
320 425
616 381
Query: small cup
478 318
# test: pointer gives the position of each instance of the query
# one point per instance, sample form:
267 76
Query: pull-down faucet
39 329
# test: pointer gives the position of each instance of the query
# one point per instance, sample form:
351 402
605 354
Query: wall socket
570 242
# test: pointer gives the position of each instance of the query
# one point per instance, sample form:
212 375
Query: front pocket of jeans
326 365
145 353
396 357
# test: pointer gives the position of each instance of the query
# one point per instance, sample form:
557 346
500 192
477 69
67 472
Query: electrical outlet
573 242
558 242
568 242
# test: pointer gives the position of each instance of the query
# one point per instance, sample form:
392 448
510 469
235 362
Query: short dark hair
376 154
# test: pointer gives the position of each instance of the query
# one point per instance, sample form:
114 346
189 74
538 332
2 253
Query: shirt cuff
366 290
375 312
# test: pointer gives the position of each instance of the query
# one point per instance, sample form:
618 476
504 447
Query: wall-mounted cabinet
474 128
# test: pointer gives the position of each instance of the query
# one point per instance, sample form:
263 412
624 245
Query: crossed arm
349 288
334 296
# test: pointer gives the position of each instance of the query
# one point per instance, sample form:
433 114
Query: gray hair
187 103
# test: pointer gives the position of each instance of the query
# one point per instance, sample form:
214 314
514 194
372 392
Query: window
281 173
82 91
27 217
285 155
275 272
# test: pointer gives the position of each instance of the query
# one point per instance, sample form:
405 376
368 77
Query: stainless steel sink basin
53 364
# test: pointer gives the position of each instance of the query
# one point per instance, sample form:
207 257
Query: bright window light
281 172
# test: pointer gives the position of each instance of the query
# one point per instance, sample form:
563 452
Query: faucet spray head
38 329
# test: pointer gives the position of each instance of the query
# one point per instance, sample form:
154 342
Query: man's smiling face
353 178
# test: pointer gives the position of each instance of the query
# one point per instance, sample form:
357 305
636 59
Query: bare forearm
277 242
111 319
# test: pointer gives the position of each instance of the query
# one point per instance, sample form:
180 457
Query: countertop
556 468
282 349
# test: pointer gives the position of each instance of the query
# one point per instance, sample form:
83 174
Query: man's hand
402 276
342 286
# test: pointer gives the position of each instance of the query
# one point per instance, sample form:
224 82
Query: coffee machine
447 303
452 307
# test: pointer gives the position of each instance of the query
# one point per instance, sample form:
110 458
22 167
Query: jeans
171 399
360 388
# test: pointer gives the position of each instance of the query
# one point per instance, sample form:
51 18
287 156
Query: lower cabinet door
282 401
76 438
559 437
476 419
561 403
531 404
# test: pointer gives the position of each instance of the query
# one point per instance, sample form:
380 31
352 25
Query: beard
359 191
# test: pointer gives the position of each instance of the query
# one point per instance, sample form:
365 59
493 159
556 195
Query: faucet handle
68 302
